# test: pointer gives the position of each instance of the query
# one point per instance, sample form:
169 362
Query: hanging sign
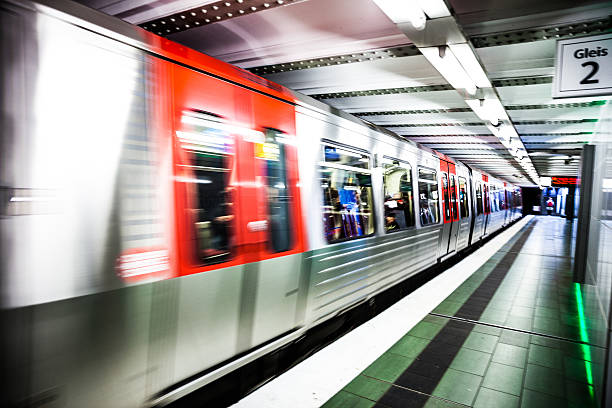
583 67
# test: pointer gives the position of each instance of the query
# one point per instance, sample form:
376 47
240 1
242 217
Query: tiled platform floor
513 335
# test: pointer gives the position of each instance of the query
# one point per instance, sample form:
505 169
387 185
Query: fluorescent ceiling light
449 67
488 110
404 11
434 8
467 58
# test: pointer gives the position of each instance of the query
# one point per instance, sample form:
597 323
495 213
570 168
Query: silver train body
74 335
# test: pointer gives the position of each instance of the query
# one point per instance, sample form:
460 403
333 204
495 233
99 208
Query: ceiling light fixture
488 110
467 58
449 67
406 11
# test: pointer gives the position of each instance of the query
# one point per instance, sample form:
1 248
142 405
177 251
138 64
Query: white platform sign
583 67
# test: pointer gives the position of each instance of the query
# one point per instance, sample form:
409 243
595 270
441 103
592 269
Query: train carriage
167 217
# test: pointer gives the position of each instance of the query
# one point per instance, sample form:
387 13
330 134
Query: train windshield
428 197
347 194
399 202
207 170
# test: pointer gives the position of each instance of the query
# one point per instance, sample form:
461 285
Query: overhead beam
210 13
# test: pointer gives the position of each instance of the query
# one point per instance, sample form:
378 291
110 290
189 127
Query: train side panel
349 271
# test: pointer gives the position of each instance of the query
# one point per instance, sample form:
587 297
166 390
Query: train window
479 203
207 173
453 194
463 200
273 155
487 205
399 203
337 155
447 207
428 197
347 194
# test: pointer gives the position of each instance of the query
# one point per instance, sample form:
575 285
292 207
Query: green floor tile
580 394
577 369
409 346
481 342
545 325
582 351
347 400
441 321
521 311
458 386
545 356
471 361
534 399
482 328
448 307
510 355
544 380
514 338
521 323
492 314
367 387
434 402
388 367
547 312
545 341
487 398
504 378
425 330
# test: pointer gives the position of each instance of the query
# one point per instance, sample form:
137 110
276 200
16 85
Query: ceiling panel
350 55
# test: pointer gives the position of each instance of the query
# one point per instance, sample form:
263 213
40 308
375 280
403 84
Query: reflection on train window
447 206
274 160
347 195
453 194
494 199
487 206
399 202
338 155
463 200
479 204
428 197
207 173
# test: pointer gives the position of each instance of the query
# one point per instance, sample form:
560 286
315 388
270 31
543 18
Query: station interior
306 203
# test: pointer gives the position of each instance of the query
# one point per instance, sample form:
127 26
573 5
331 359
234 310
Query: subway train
167 217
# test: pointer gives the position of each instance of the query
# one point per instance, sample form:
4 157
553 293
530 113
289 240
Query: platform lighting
488 110
434 8
405 11
467 57
449 67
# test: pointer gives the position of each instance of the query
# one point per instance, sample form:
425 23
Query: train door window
453 197
273 156
486 199
447 208
428 197
479 204
347 194
207 172
463 200
399 200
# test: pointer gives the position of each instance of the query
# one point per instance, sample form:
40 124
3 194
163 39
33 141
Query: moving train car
167 217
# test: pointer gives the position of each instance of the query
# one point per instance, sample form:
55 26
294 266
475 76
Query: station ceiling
351 55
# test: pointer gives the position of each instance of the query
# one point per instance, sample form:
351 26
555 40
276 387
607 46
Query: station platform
505 327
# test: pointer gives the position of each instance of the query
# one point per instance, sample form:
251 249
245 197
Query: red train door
450 209
487 202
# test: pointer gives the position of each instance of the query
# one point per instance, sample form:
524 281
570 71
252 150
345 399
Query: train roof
130 34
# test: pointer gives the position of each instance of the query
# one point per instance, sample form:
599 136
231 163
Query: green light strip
584 336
